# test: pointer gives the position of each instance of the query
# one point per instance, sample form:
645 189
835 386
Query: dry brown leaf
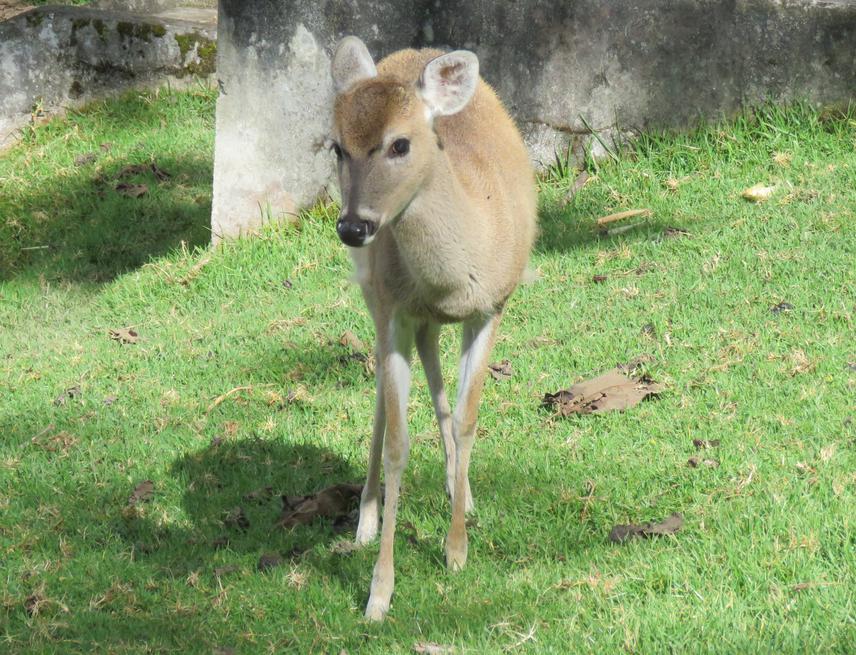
83 160
828 452
132 190
758 193
621 533
430 648
237 518
221 571
782 158
124 335
500 370
607 392
334 502
800 362
695 462
352 341
259 495
703 444
781 307
142 493
68 394
268 561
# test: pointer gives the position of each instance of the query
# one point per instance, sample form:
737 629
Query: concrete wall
624 65
55 57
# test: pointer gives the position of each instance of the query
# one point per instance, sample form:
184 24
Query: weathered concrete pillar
622 66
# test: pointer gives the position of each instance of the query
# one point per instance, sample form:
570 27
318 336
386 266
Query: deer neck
437 236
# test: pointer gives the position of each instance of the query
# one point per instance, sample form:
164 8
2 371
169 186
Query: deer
438 211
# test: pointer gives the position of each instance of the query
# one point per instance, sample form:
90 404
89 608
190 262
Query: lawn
247 372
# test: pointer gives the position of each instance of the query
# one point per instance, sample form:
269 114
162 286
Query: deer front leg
478 337
394 351
370 498
427 344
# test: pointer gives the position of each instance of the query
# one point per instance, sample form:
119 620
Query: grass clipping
608 392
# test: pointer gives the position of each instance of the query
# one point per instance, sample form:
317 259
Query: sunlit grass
764 563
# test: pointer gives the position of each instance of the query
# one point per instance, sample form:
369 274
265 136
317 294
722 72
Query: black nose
354 232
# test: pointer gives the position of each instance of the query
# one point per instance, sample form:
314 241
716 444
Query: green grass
765 562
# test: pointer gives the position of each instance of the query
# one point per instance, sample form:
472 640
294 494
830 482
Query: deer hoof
376 610
456 558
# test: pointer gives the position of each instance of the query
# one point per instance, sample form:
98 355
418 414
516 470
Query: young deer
438 208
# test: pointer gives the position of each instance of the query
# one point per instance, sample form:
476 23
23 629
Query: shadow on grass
85 230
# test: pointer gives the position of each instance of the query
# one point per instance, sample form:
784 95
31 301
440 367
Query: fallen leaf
672 184
620 216
430 648
828 452
237 518
649 330
350 340
607 392
220 542
132 190
68 394
106 147
800 362
702 444
287 284
758 193
223 650
500 370
33 603
599 279
695 462
221 571
109 400
159 173
851 366
268 561
61 442
259 495
782 158
83 160
675 232
621 533
334 501
124 335
343 547
142 493
781 307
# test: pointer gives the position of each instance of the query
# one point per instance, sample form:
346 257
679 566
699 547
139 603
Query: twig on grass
219 399
619 216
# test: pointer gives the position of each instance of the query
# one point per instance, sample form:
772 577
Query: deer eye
399 148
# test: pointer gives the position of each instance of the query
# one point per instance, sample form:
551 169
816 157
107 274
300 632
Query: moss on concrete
202 51
144 31
35 18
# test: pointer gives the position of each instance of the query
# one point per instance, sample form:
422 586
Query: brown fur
456 223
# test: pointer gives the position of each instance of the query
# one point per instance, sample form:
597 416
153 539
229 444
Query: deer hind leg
427 344
370 500
394 350
478 338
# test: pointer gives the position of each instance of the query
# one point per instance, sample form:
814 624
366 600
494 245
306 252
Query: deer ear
449 82
351 63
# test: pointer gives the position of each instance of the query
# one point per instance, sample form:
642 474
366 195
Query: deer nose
354 231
